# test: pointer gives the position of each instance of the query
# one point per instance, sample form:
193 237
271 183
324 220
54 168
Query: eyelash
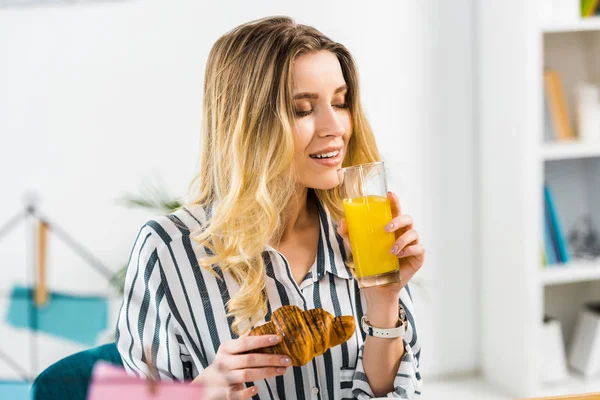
301 114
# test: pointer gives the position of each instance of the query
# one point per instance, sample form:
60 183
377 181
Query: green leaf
152 198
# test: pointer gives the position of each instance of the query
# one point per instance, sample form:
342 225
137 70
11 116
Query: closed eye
300 114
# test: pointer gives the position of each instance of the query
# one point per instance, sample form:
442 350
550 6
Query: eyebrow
316 96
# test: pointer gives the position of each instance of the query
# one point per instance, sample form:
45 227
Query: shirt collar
331 252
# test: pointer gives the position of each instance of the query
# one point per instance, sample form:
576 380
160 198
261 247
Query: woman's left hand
408 249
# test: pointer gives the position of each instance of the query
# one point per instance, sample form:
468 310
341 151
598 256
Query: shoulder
180 225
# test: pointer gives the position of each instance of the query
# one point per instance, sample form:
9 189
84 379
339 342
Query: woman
281 115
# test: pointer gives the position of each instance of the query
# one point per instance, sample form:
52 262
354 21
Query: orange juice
371 244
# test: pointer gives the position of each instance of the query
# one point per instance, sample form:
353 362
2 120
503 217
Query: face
322 125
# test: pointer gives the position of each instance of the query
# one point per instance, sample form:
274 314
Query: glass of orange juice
368 211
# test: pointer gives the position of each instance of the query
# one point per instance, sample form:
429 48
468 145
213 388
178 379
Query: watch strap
390 333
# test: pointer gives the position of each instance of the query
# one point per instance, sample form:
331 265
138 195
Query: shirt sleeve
408 383
145 327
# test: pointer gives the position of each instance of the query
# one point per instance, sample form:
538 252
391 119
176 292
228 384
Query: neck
299 214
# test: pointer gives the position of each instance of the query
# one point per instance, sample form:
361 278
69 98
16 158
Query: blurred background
487 115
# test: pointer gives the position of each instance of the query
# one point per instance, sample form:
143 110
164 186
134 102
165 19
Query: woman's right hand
235 364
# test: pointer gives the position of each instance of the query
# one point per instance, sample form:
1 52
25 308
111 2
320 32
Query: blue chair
69 378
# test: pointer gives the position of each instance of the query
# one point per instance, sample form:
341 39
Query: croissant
305 334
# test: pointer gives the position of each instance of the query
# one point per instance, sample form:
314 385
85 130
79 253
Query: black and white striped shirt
177 309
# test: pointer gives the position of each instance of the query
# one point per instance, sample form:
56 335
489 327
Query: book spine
552 252
558 105
560 237
549 131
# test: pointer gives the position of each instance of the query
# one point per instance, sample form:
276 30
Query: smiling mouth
324 156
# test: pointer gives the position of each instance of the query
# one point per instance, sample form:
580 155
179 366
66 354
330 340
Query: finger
238 392
213 375
248 343
416 250
254 360
255 374
395 204
216 386
407 238
402 221
221 378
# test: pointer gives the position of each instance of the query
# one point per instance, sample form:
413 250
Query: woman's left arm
390 367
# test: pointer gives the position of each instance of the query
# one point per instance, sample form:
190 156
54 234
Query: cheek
303 133
347 122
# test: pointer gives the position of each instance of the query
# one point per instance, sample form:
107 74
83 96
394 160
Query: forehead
318 71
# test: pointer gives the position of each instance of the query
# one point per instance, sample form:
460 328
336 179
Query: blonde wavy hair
247 168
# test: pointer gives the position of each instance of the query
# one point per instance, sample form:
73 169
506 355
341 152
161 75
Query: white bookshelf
573 384
578 271
578 25
514 45
570 150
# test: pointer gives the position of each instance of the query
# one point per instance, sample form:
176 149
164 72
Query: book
558 234
550 250
553 363
549 131
551 246
557 104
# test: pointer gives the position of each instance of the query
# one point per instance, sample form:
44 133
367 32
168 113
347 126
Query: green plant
151 198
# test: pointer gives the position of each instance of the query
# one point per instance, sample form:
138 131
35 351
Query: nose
330 123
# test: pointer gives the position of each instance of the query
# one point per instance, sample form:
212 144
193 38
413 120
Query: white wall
96 98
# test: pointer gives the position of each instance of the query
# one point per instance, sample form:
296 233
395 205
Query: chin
323 183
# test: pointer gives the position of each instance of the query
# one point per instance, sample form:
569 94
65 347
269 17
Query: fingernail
394 249
280 370
389 227
274 339
400 253
253 390
286 360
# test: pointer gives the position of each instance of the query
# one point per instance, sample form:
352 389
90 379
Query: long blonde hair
247 167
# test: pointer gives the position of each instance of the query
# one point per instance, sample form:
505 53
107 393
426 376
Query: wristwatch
391 333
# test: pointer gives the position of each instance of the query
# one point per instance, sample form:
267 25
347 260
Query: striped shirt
177 310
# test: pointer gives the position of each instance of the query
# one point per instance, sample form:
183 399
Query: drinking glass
367 210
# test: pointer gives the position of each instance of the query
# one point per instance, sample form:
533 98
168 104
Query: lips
329 154
327 151
329 162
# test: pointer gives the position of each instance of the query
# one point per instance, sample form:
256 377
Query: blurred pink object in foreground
110 382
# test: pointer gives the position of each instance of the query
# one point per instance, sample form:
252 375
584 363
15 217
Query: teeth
326 155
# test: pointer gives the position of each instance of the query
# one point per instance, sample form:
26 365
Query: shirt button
315 391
